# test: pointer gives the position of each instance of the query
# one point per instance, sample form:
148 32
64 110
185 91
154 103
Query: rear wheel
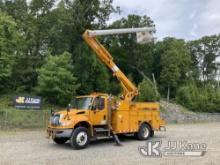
60 140
144 132
79 138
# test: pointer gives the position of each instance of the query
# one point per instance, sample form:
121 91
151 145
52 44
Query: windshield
82 103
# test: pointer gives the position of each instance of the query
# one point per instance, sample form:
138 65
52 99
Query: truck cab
90 112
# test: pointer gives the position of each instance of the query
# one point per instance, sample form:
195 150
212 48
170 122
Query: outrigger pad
118 143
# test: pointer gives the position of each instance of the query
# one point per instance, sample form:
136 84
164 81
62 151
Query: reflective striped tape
127 130
115 68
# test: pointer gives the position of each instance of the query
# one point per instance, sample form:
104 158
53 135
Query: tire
79 138
60 140
144 132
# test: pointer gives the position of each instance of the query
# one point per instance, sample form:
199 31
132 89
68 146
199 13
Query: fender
86 124
146 122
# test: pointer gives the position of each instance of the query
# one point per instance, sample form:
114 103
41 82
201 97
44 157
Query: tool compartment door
120 121
133 121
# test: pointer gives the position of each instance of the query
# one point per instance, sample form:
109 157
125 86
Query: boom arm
129 89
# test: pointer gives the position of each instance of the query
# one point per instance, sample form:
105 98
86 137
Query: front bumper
59 133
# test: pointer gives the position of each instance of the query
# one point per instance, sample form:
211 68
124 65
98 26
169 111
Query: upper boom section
129 89
93 33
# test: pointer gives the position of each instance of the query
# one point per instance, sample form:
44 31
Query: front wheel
144 132
79 138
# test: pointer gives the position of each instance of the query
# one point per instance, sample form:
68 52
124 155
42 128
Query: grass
12 118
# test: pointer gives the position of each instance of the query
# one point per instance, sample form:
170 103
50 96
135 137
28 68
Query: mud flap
118 142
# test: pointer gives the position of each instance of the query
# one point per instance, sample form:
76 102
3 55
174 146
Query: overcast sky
187 19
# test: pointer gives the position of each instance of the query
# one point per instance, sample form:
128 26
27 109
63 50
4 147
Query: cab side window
99 103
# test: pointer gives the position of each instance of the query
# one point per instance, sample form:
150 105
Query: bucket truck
100 115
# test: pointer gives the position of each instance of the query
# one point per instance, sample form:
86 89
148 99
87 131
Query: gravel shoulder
32 147
175 113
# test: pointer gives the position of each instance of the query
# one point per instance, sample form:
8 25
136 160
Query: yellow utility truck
101 115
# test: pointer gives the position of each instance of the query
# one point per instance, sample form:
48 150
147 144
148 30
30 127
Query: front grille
54 120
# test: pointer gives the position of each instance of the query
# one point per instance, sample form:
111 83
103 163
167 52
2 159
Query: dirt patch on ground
31 147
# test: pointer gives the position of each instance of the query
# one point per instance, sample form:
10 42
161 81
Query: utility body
100 115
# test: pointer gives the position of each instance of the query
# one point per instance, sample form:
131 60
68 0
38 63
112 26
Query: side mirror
68 107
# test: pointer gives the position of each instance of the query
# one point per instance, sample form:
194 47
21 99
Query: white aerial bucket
144 37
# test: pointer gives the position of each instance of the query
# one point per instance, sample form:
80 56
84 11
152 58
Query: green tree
55 80
32 24
60 30
10 41
50 27
170 73
204 52
147 90
91 73
175 63
203 99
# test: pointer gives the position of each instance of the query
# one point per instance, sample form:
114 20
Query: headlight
54 120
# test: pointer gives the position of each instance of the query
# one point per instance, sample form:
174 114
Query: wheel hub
81 138
145 132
